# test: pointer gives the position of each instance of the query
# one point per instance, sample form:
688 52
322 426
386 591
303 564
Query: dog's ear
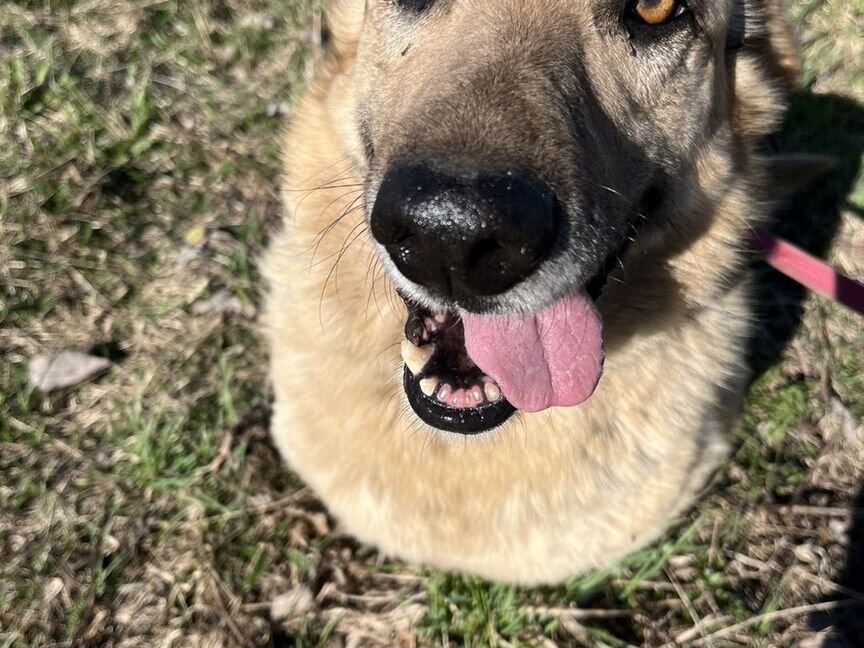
342 25
790 173
765 64
762 29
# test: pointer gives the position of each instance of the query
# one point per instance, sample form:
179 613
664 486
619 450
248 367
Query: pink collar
809 271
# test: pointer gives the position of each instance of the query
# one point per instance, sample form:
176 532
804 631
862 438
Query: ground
139 167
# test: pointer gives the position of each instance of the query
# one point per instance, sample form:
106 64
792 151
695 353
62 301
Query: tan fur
549 494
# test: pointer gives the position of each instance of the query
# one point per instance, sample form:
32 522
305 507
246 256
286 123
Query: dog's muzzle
463 237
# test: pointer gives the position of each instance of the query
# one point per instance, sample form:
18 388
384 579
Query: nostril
400 237
464 235
482 253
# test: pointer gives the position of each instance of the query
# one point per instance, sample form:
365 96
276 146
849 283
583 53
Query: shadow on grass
847 622
830 125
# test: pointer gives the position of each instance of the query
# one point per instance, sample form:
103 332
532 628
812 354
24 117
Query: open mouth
469 373
444 386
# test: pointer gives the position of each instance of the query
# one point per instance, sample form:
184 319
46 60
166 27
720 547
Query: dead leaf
65 369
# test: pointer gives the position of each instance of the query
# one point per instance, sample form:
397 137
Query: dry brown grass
138 179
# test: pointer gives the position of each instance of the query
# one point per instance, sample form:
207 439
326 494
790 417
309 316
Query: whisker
387 348
357 188
378 270
330 257
332 184
368 279
345 250
393 299
346 245
349 209
609 189
344 163
326 229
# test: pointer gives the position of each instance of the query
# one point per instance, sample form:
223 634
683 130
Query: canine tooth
428 386
444 393
440 318
477 394
493 392
416 357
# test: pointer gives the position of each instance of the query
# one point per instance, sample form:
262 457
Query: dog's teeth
440 318
416 357
458 399
493 392
428 386
444 393
477 394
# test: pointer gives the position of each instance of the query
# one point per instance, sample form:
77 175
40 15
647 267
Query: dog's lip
442 384
467 421
595 285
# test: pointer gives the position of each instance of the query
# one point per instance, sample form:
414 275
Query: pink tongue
553 358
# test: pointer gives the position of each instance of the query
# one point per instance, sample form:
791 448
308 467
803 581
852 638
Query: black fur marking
365 133
737 26
414 6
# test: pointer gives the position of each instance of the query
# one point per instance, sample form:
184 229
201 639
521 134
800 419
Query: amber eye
657 12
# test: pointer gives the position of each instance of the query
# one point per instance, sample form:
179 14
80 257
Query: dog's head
512 151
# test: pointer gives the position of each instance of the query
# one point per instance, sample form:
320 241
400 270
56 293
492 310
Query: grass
138 179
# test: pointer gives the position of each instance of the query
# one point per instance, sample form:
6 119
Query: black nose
464 237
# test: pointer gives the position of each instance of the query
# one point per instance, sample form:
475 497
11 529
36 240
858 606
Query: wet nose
464 236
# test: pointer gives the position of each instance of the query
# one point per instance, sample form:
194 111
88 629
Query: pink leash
809 271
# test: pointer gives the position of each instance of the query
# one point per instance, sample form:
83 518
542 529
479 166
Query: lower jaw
468 421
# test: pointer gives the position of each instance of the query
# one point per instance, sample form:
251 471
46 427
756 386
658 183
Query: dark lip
594 286
615 257
469 422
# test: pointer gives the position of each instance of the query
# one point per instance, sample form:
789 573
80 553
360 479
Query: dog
508 303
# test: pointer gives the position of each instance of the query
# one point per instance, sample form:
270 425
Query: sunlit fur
551 494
